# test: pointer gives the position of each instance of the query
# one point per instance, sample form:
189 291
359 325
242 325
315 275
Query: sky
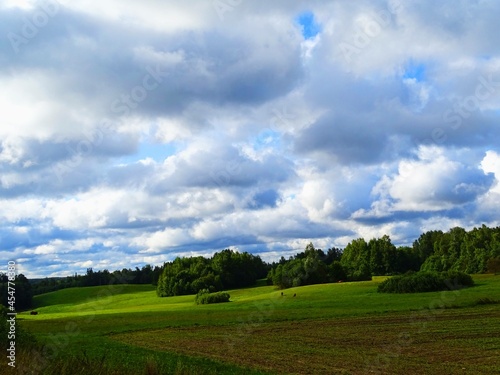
135 132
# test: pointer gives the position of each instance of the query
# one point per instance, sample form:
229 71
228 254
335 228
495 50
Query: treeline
225 270
475 251
145 275
22 293
313 266
455 250
459 250
358 261
378 256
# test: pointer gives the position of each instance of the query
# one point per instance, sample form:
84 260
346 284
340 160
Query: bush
423 281
457 280
204 297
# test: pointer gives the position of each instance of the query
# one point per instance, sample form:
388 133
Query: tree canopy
458 250
227 269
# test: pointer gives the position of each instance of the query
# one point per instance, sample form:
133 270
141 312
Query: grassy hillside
344 328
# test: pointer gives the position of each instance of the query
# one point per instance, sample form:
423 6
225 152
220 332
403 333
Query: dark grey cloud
381 125
223 167
349 140
122 70
266 198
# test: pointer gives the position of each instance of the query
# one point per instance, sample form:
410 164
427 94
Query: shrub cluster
417 282
204 297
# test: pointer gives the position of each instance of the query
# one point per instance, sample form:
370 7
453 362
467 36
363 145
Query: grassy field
345 328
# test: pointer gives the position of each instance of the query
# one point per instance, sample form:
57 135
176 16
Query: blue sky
309 26
148 149
415 71
136 132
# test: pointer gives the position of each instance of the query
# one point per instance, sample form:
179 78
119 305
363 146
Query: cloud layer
133 133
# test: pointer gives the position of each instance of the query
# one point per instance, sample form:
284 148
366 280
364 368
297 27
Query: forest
227 269
472 252
475 251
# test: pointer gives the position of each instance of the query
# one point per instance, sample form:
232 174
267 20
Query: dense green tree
22 292
449 247
356 260
465 251
433 263
424 245
333 254
305 268
227 269
278 278
406 260
238 269
336 272
383 256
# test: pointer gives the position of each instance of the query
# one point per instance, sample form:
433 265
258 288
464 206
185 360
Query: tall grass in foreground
82 364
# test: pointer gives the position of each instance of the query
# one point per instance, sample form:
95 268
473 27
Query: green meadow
343 328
